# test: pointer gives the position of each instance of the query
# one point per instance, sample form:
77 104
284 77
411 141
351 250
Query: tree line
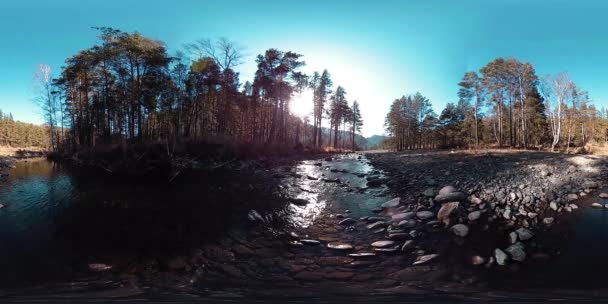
505 104
19 134
128 89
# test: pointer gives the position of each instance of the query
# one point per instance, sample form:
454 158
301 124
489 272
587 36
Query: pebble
597 205
524 234
446 210
310 242
603 195
548 220
339 246
347 221
407 246
391 204
516 251
362 255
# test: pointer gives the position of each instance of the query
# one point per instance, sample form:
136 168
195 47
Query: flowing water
50 232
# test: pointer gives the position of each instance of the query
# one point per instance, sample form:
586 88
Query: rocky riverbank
507 196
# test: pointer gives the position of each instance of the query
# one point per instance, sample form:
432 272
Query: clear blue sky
377 50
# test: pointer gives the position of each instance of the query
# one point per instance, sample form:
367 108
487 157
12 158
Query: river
57 221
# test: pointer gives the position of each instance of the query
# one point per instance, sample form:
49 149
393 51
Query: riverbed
57 222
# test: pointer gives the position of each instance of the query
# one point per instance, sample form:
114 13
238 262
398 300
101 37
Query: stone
254 216
407 246
512 237
473 216
446 210
424 215
394 203
524 234
501 256
347 221
386 250
548 220
460 230
516 251
475 200
383 244
424 258
99 267
572 197
597 205
430 192
450 197
477 260
310 242
407 224
398 236
403 216
299 202
553 205
375 225
339 246
603 195
447 189
340 275
362 255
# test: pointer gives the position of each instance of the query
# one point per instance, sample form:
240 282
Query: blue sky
377 50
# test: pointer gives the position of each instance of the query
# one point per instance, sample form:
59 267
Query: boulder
394 203
516 251
460 230
501 256
446 210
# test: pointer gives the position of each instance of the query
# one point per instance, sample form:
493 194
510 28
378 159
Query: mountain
375 140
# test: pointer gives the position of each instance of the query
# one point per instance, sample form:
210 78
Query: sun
301 104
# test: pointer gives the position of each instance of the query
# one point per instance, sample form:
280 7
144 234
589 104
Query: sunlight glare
301 104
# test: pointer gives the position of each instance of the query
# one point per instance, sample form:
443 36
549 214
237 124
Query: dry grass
13 151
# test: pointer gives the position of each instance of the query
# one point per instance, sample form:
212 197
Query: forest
20 134
129 90
505 104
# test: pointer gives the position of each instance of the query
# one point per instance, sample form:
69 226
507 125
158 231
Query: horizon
376 52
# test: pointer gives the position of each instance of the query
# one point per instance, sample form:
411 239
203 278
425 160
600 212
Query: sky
377 50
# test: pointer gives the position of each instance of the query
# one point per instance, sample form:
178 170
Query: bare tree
224 52
46 100
556 89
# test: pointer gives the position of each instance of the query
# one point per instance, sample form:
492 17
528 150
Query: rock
407 224
382 244
475 200
447 189
477 260
425 258
512 237
572 197
603 195
548 220
398 236
446 210
339 246
299 202
375 183
597 205
408 246
394 203
340 275
254 216
362 255
312 177
450 197
99 267
524 234
386 250
376 225
460 230
553 205
334 260
403 216
516 251
573 206
475 215
310 242
347 221
2 206
430 192
424 215
501 256
308 276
